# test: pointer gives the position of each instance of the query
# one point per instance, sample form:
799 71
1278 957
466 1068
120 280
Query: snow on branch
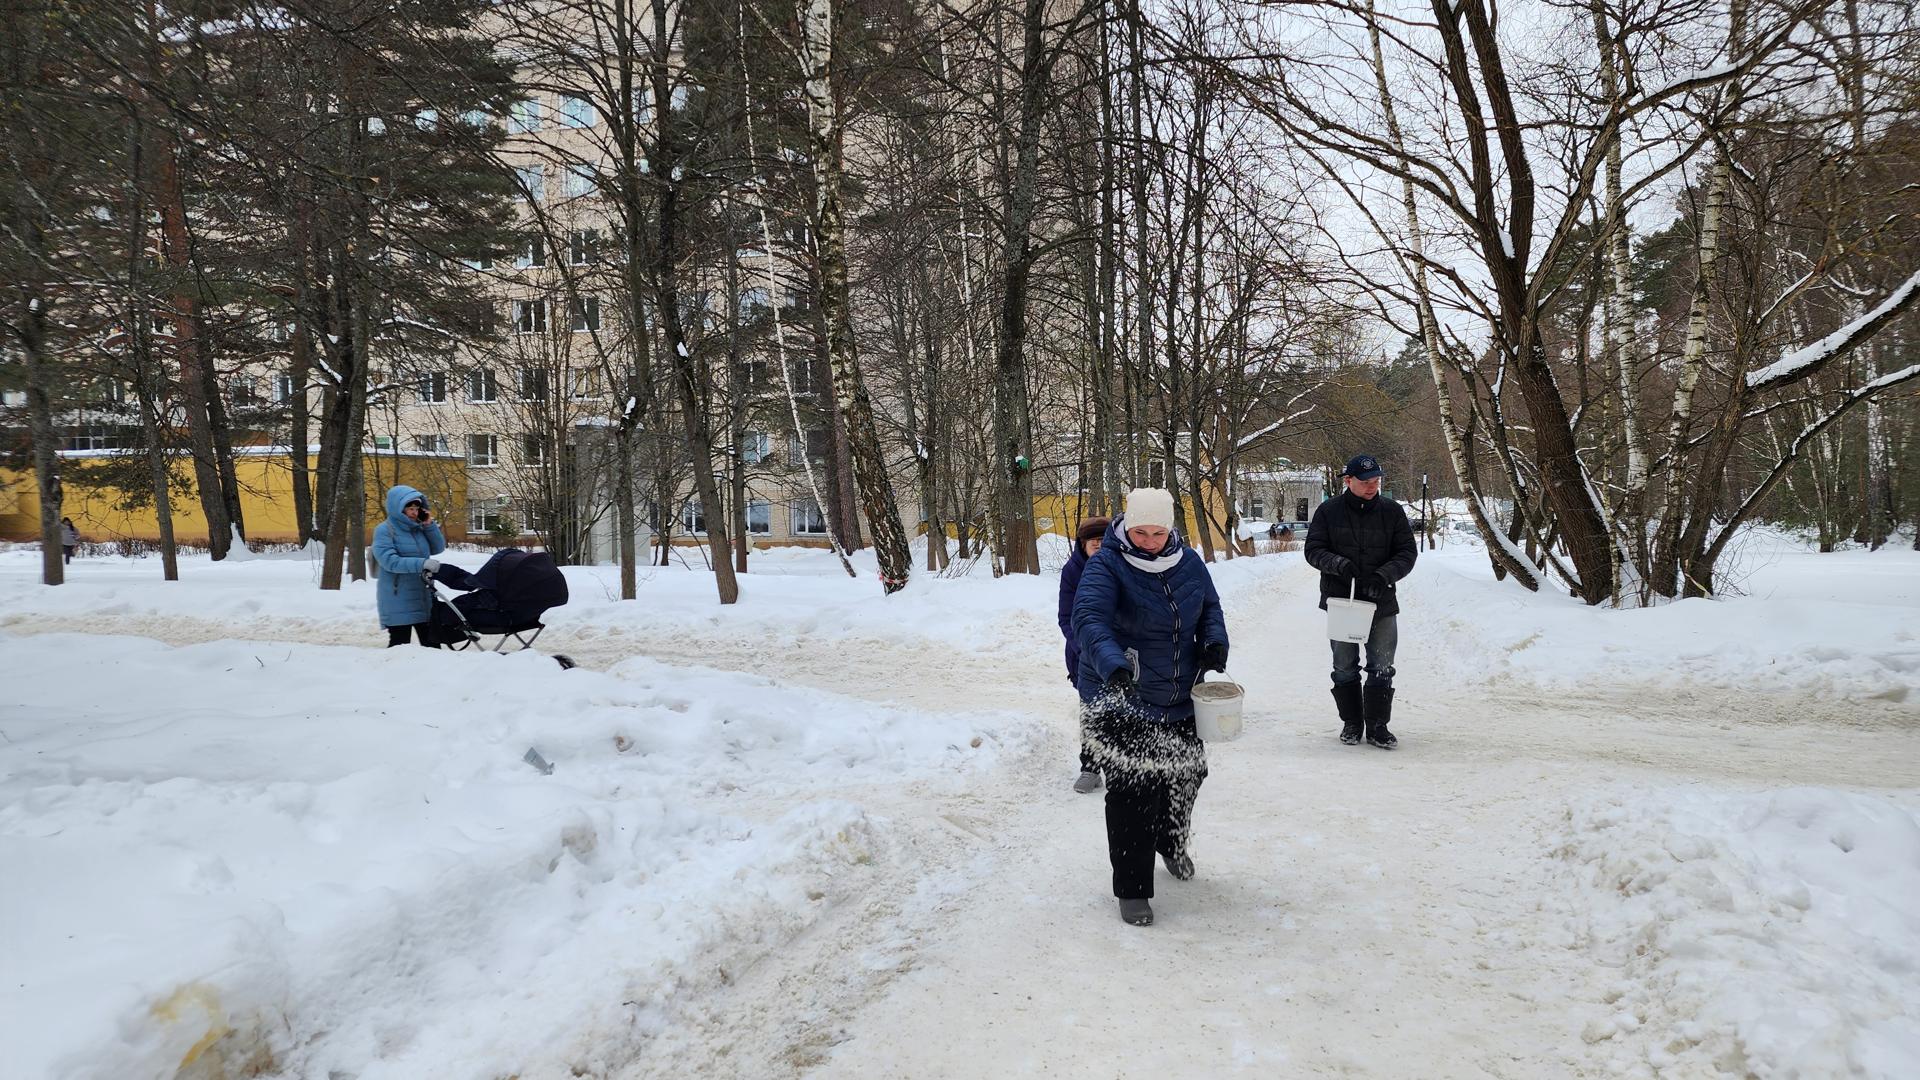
1801 363
320 362
1697 79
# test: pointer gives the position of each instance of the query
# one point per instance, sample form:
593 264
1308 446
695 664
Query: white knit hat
1149 506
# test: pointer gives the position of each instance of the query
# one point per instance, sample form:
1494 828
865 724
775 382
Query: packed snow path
1356 912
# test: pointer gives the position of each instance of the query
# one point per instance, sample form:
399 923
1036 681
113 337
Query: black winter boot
1379 709
1346 697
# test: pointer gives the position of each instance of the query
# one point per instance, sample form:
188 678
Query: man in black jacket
1362 545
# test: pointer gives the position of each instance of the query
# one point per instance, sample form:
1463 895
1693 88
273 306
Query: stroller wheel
565 661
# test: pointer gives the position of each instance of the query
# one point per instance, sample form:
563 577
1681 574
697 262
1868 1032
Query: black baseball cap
1362 467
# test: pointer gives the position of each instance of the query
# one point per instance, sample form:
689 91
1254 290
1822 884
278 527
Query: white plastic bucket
1216 710
1349 620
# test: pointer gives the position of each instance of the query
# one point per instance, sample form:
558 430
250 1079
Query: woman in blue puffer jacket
1148 621
405 545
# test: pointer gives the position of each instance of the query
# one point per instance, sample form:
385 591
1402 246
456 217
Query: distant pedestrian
405 545
69 538
1086 541
1362 544
1148 622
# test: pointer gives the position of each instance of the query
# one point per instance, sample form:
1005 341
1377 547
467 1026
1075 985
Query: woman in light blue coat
405 545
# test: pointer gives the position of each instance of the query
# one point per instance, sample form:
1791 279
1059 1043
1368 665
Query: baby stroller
504 599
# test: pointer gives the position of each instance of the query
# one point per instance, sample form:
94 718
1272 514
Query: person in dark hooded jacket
1086 540
1362 544
405 545
1148 621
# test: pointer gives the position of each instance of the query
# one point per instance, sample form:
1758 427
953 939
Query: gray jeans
1381 642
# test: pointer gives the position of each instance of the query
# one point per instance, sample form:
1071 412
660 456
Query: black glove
1380 583
1344 567
1120 682
1213 656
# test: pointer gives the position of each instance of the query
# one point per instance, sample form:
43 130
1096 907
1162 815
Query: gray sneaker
1136 912
1088 783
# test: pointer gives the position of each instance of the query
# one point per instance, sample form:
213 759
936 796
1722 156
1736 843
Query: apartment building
531 413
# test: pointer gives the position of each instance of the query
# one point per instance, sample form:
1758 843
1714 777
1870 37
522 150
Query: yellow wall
266 499
1063 514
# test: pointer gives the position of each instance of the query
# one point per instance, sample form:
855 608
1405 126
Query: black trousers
1087 764
1154 769
397 635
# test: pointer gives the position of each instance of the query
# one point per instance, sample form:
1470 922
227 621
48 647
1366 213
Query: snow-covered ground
824 833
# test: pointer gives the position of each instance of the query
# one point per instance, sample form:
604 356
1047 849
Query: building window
533 384
753 373
92 438
677 100
692 518
430 444
1300 510
585 313
800 373
526 115
532 253
245 392
575 111
477 119
584 247
533 181
814 446
1156 474
582 180
754 447
759 517
530 316
753 301
282 388
433 388
481 385
485 518
533 450
1257 509
586 384
484 262
483 451
807 519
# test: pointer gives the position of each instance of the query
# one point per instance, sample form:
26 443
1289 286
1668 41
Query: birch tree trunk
849 389
1503 557
1676 512
1621 344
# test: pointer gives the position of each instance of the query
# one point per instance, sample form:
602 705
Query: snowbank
1845 624
322 858
1768 935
